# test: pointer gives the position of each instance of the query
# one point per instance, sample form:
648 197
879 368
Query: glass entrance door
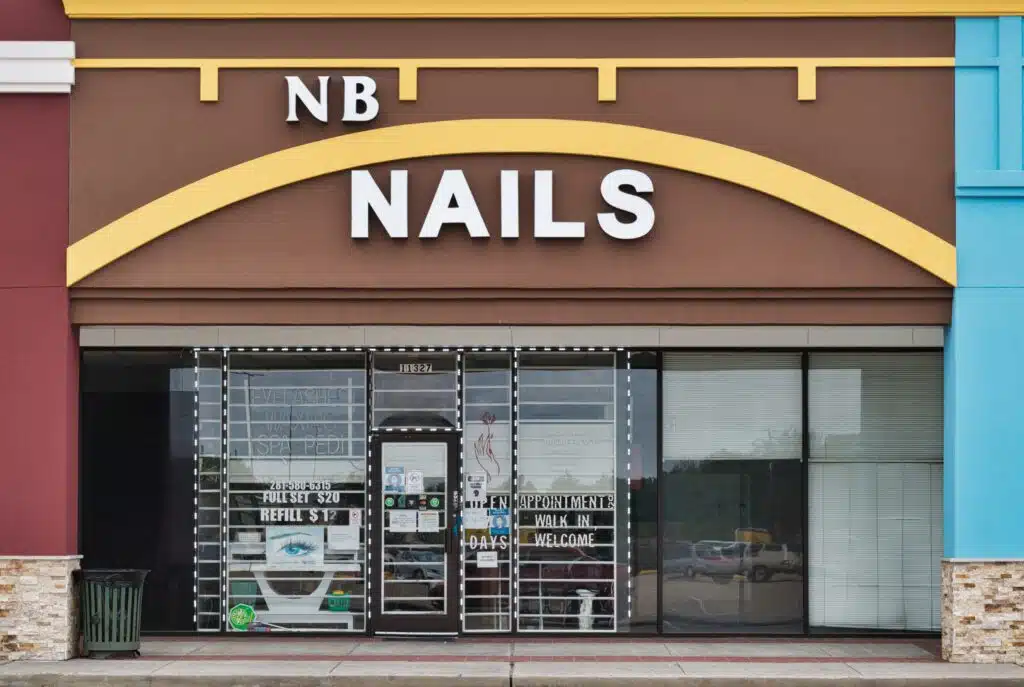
415 490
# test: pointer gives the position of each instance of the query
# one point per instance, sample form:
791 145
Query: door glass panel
415 558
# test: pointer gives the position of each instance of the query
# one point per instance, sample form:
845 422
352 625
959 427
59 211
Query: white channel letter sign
623 190
455 204
359 102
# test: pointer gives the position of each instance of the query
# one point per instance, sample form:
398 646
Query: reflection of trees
785 445
565 483
709 499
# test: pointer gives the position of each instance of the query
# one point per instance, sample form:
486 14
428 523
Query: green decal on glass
241 616
389 502
434 502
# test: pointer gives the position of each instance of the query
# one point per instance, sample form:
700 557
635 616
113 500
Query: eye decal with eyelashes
296 544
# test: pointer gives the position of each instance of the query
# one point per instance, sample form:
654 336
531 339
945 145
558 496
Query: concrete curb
476 681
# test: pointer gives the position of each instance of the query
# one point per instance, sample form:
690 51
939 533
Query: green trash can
111 611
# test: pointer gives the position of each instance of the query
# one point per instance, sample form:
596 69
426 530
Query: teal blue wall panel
984 405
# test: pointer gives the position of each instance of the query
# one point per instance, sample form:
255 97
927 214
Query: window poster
429 521
295 547
394 480
499 521
403 520
476 488
414 481
343 537
476 519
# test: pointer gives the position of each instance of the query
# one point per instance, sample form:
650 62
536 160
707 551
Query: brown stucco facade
719 254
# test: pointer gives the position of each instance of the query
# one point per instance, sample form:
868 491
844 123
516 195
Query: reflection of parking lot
701 605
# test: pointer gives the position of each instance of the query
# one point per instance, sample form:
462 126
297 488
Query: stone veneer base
983 611
38 608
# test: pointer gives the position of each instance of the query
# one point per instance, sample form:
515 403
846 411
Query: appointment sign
625 192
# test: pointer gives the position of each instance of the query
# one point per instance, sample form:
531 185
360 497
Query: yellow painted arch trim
497 136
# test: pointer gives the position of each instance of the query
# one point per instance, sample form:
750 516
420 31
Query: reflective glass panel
733 498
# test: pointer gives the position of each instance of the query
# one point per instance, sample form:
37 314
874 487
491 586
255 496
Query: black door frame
415 624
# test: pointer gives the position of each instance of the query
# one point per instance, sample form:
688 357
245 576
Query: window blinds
875 490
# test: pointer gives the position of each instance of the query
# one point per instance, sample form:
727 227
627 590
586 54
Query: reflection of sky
732 413
862 406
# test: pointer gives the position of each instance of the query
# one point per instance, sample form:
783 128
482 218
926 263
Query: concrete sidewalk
274 662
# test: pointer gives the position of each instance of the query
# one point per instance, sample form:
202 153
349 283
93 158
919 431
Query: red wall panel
34 138
38 352
33 20
38 421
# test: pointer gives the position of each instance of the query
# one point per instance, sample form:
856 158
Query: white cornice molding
37 66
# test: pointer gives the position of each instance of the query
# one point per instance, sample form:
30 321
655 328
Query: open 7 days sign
624 191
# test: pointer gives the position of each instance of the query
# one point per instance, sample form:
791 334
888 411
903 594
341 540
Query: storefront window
733 496
567 500
137 475
487 455
415 390
296 492
875 490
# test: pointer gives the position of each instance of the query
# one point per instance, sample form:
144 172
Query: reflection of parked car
761 561
717 559
419 564
680 559
757 562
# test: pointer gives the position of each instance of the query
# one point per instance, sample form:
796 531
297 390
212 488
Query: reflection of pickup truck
762 561
757 562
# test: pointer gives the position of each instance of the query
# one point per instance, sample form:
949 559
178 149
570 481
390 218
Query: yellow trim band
511 136
272 9
607 68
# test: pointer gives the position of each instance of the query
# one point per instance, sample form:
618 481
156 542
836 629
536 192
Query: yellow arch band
496 136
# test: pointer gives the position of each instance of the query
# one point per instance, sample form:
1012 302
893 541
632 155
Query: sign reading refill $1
624 191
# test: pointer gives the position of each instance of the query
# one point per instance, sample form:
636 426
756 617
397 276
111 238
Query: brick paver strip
405 658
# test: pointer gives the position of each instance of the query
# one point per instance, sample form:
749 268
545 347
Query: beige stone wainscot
983 611
38 608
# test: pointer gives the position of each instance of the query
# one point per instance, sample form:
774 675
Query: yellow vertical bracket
408 75
209 83
607 82
806 81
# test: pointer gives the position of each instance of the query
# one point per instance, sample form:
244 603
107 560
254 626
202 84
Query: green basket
338 603
111 610
244 588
